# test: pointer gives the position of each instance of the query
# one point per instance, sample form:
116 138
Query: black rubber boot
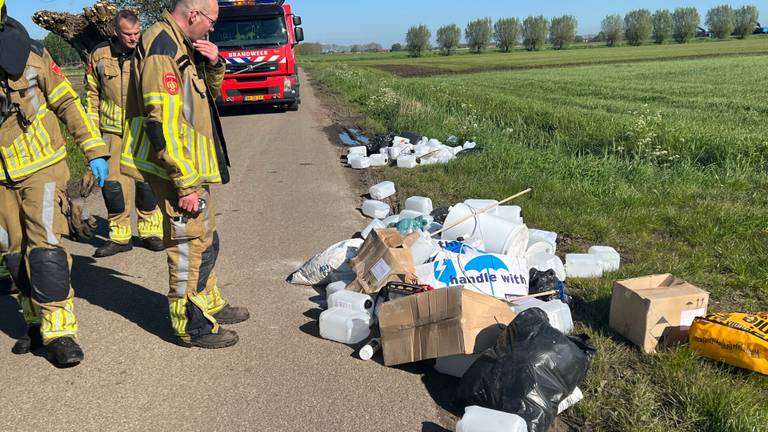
232 315
154 244
111 248
223 339
29 342
64 351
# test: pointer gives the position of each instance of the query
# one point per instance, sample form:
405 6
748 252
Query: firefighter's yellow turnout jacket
173 130
30 135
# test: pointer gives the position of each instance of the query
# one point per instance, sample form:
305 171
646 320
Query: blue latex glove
100 170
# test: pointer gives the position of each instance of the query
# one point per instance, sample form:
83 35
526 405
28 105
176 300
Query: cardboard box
439 323
384 257
655 310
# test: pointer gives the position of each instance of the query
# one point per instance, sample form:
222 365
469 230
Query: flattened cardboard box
384 257
439 323
655 310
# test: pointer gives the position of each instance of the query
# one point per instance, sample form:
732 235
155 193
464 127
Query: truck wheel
293 106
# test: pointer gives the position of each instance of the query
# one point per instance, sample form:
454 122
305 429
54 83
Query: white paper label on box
380 270
686 317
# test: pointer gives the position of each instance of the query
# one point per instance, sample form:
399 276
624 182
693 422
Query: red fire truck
258 41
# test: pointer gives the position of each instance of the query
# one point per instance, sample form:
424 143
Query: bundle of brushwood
83 31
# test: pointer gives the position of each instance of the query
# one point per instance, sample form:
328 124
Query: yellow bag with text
738 339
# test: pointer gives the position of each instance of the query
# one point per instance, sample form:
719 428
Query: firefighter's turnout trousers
121 193
192 248
32 222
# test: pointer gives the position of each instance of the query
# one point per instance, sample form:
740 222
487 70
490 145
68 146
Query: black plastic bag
440 214
378 142
542 281
532 368
412 136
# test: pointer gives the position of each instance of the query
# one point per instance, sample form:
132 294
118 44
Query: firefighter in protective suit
174 140
34 96
106 90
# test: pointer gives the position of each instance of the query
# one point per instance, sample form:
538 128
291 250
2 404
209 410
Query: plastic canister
375 209
478 419
382 190
360 150
423 249
375 224
535 236
608 257
346 326
546 261
351 300
406 161
360 163
419 204
379 160
583 266
335 287
559 313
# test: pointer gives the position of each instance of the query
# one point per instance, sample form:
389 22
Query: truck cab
257 40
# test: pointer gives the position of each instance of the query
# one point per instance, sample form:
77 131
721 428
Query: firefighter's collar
179 33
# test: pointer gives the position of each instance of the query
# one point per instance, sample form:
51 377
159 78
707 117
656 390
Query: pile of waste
474 289
407 150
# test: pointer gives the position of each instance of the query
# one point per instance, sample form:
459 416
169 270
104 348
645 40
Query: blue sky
385 22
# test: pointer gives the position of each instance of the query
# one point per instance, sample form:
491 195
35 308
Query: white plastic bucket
499 235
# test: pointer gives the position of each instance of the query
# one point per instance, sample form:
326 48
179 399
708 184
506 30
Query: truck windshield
250 32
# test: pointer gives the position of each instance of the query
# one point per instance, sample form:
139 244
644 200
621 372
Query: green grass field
666 161
520 59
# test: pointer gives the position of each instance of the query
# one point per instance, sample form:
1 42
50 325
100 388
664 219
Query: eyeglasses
213 21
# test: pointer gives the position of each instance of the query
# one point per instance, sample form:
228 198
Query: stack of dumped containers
401 152
437 283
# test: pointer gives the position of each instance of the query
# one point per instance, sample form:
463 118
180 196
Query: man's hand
189 203
209 50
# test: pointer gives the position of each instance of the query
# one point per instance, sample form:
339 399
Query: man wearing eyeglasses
174 141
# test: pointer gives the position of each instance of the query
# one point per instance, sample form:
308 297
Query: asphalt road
289 199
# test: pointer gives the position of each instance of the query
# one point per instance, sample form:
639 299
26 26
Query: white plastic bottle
366 353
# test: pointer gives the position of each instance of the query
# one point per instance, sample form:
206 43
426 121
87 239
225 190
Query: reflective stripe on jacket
106 84
30 137
172 128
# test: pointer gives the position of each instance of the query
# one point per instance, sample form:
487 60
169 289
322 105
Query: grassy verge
665 161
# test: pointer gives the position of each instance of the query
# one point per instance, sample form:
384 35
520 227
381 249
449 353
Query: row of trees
636 27
681 25
507 33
